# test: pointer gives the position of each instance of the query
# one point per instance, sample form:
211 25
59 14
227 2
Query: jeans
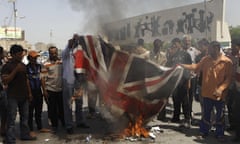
13 105
205 123
230 101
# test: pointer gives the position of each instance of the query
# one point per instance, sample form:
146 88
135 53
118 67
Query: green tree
235 32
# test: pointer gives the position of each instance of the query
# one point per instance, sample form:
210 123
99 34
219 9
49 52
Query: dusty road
100 133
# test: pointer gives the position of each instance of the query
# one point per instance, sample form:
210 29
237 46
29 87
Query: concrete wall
201 20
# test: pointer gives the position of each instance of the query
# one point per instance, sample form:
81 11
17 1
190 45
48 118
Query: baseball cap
33 54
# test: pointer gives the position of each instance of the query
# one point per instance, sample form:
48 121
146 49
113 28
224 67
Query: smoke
99 12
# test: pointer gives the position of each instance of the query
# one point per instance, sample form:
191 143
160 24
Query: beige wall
6 44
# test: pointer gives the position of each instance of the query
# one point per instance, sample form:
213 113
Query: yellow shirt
217 75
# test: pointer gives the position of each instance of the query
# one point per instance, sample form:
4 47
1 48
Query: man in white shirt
194 52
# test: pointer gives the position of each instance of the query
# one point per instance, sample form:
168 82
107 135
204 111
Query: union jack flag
128 83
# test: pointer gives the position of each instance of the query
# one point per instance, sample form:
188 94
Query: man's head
235 46
75 40
16 52
175 46
53 53
140 42
203 45
238 44
32 57
176 42
187 41
214 49
157 44
75 36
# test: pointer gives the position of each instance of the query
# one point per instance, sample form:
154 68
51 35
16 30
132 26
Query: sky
55 21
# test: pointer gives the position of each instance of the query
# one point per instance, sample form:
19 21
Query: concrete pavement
100 133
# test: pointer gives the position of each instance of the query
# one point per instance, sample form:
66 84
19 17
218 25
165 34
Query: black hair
52 47
1 50
176 40
204 42
140 41
215 44
157 41
15 49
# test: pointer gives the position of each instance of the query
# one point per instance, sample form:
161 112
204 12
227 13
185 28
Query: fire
136 129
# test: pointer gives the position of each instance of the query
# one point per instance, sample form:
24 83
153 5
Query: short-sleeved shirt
34 76
52 73
17 88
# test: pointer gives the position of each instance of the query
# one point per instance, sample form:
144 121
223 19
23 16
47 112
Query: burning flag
127 83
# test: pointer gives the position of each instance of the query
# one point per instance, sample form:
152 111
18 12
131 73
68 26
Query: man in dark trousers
14 75
35 106
236 98
52 87
3 98
177 55
216 77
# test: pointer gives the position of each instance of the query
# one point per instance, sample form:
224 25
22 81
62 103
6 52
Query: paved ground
101 133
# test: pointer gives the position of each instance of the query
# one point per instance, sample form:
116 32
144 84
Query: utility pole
15 17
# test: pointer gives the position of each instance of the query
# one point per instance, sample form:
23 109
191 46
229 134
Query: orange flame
136 129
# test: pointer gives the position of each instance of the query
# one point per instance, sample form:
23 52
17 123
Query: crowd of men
25 86
210 76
